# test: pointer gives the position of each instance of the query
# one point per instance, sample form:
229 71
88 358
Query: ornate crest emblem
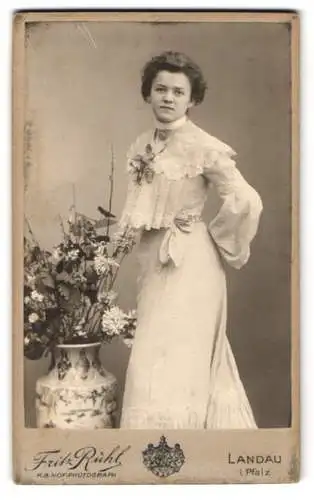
162 460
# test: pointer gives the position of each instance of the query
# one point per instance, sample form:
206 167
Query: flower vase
77 392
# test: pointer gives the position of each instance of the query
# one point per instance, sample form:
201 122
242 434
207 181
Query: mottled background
83 95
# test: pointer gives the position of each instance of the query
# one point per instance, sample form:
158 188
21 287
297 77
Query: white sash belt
171 248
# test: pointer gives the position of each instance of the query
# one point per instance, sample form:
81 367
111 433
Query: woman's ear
191 104
148 99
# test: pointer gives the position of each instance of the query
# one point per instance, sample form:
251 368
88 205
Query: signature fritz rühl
88 459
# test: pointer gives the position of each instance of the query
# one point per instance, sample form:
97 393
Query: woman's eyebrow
168 86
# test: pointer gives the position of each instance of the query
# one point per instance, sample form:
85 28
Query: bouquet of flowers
69 292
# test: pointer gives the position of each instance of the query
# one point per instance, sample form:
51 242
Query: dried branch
111 180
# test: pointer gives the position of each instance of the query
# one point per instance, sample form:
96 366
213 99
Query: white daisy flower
73 254
101 264
33 317
113 321
38 297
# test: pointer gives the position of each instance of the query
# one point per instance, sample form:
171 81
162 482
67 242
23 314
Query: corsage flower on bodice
168 182
141 166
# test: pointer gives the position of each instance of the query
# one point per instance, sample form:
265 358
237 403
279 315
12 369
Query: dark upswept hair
175 62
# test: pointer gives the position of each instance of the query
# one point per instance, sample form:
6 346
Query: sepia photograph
155 168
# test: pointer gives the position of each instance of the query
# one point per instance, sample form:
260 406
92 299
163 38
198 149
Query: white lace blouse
171 189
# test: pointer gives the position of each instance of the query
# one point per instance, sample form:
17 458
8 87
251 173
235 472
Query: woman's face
170 96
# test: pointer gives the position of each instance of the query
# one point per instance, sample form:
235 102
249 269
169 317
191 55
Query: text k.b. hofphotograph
156 329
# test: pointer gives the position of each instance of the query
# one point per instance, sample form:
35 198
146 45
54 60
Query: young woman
182 373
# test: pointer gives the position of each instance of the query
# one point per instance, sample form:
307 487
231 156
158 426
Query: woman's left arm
236 223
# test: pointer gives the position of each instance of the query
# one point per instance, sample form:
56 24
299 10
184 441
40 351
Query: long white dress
182 372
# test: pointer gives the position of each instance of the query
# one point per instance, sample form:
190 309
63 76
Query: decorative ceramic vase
77 393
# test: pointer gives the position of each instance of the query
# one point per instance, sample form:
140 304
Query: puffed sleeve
236 223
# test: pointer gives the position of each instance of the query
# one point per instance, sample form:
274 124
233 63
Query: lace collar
185 153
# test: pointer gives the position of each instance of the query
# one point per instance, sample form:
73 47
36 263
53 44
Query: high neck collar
172 125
